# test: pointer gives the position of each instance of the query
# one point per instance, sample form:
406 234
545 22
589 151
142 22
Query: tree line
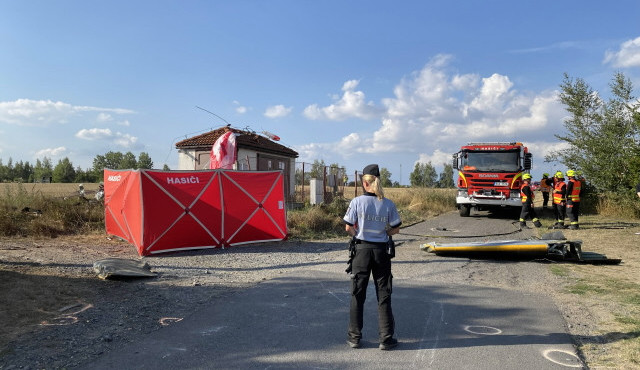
423 175
64 171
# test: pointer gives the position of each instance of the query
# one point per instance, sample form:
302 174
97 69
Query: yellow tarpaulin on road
521 246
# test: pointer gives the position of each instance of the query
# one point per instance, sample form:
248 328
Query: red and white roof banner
164 211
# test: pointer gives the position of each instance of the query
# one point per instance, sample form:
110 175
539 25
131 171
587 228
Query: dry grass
47 190
418 204
609 293
47 210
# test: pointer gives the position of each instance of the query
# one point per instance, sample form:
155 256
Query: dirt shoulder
58 314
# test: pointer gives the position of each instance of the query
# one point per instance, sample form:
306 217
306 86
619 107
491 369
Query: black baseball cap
371 169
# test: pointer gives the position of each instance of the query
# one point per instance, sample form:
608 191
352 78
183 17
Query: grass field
609 292
47 190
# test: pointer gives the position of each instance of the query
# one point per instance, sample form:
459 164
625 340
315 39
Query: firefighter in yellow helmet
559 199
526 194
546 184
574 188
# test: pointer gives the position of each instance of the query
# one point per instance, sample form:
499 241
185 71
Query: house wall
186 159
247 160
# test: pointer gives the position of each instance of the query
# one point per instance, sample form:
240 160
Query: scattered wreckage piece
553 246
114 268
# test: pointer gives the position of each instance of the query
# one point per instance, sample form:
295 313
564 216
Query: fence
336 180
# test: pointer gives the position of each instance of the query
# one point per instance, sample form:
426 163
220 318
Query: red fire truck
490 175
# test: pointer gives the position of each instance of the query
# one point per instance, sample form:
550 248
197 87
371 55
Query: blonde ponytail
375 185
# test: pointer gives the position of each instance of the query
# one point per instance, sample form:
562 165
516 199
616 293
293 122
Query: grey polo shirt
372 217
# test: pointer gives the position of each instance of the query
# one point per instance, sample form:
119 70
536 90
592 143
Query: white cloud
277 111
436 110
627 56
105 134
542 149
351 104
494 93
94 134
104 117
27 112
437 158
240 109
124 123
50 152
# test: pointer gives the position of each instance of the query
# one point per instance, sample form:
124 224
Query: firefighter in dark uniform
527 203
371 219
574 188
545 188
559 199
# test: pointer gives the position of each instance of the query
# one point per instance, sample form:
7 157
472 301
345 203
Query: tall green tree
423 175
144 161
42 169
3 171
603 137
64 171
385 178
9 171
317 169
446 177
416 177
128 161
113 160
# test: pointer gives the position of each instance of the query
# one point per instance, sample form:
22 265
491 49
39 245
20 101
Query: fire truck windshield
503 161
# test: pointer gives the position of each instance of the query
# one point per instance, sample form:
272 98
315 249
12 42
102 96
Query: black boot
537 223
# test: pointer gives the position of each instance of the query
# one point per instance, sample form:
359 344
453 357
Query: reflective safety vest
544 187
559 190
523 196
575 190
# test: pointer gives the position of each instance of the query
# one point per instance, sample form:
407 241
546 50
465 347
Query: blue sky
348 82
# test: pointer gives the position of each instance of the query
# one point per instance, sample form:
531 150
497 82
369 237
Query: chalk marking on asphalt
212 330
332 293
166 321
67 318
482 330
572 361
175 349
420 356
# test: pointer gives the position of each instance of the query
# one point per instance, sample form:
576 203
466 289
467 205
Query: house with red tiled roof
255 153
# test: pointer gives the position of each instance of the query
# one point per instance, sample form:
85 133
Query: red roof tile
244 139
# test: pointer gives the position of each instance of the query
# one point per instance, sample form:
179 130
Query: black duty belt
366 244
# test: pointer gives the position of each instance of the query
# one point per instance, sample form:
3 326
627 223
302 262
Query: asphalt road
299 321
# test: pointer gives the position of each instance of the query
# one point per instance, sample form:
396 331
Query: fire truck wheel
465 210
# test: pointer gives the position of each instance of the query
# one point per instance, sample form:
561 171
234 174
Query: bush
618 205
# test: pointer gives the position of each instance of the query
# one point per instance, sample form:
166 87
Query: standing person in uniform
559 199
574 188
371 219
527 196
545 188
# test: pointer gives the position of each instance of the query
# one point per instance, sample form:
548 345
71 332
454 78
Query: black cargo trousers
371 258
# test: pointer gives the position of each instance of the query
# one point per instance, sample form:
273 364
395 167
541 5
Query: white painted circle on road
483 330
564 358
